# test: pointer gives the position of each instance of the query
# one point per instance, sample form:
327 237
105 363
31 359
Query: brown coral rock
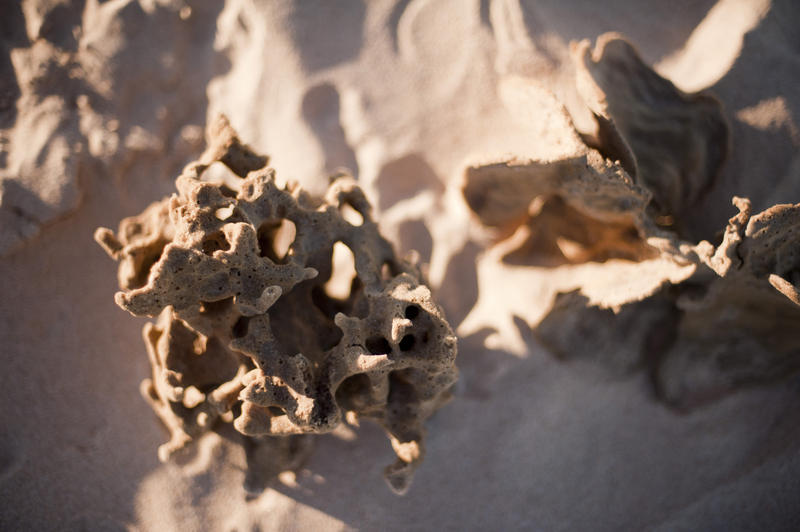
740 328
625 192
247 331
671 142
580 206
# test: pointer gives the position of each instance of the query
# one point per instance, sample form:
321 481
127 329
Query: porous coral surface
248 330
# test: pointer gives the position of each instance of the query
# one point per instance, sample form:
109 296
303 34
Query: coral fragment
247 334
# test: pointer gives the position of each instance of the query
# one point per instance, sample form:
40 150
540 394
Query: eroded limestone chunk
739 327
623 192
248 330
578 204
730 324
655 152
671 142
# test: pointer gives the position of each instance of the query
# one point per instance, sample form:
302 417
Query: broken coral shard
627 192
574 195
246 331
671 142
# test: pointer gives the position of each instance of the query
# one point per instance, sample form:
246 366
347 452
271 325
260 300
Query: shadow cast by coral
321 109
341 41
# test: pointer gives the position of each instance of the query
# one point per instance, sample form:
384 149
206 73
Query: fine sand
101 105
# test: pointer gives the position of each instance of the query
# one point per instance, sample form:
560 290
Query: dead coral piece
739 327
730 324
726 323
247 332
580 206
671 142
139 243
655 153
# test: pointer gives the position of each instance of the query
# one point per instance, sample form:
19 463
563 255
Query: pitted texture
247 331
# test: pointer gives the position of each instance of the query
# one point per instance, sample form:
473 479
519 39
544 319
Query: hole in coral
215 242
211 366
151 257
407 342
355 384
378 345
665 220
343 271
354 306
218 173
216 307
224 213
330 338
351 215
353 392
284 238
236 409
275 411
325 304
412 311
240 327
275 239
312 335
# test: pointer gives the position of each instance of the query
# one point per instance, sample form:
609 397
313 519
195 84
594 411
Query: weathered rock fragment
671 142
580 206
247 330
624 193
739 326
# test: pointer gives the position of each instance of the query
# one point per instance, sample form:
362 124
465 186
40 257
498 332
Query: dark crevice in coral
240 327
388 270
215 242
407 342
227 191
213 308
378 345
276 411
